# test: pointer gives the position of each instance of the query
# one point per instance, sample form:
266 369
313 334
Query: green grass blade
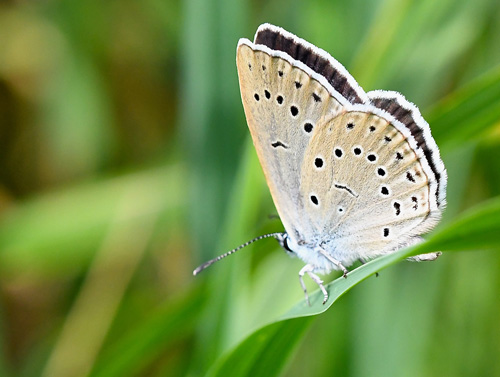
386 25
4 367
474 229
265 352
34 234
477 228
227 288
141 346
468 113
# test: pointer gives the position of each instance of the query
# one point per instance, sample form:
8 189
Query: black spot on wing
397 207
308 127
410 177
415 202
349 190
279 144
405 116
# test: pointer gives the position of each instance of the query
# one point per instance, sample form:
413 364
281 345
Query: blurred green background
125 161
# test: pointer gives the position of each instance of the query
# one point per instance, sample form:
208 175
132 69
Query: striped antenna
278 236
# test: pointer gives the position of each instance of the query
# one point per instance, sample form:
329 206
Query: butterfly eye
285 245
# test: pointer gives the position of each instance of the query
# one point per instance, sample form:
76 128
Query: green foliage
126 161
478 228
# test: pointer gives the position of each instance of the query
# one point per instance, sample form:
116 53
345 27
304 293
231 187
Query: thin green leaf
4 369
474 229
382 32
32 235
478 228
227 289
467 113
145 342
265 352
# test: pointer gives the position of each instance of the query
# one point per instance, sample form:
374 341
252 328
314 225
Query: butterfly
353 175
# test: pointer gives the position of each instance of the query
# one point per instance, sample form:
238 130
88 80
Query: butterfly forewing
283 106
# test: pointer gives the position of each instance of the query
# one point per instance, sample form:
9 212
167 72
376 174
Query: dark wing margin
392 103
409 115
319 61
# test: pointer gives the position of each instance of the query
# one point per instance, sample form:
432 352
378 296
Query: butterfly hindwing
366 190
407 114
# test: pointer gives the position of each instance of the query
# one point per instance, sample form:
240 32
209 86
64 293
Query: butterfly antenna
278 236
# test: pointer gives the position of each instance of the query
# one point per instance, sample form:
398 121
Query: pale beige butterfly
353 175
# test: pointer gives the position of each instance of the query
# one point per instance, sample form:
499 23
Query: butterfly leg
334 261
308 269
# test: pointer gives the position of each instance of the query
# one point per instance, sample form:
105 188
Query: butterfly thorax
324 256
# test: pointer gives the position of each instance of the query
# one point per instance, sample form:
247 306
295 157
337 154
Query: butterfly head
284 241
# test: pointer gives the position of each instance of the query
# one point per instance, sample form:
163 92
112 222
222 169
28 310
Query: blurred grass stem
109 275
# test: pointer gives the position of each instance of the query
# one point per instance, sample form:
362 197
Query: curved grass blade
477 228
145 343
467 113
35 235
265 352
